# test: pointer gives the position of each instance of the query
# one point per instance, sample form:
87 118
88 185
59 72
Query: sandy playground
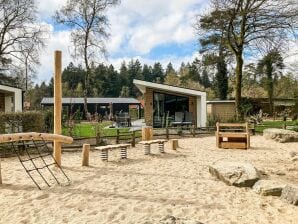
147 188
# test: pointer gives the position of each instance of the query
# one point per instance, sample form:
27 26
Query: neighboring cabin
224 110
11 99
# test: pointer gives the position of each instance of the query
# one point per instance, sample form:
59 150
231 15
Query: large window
165 106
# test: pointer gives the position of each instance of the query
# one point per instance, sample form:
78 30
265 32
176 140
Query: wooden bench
147 145
104 150
232 136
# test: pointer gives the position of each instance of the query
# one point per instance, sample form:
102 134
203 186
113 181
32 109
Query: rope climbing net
33 152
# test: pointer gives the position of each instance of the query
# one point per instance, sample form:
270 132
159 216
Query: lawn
273 124
89 129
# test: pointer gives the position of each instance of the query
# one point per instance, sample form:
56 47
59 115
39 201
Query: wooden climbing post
0 174
57 104
85 154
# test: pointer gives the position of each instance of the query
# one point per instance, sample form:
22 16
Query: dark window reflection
165 106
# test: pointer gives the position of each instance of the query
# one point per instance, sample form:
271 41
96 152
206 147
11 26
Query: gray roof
66 100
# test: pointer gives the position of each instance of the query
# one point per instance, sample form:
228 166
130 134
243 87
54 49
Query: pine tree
134 72
158 73
221 79
170 69
205 79
147 73
124 74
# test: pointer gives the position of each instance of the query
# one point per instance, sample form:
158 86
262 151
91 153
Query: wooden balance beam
147 145
104 150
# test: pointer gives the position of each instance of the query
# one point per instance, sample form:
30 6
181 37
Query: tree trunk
238 86
86 90
270 86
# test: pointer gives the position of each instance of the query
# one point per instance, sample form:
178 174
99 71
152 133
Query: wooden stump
85 155
174 144
147 133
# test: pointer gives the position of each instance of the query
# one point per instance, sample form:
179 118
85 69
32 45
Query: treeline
106 81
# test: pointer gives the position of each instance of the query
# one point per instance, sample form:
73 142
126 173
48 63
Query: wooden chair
232 136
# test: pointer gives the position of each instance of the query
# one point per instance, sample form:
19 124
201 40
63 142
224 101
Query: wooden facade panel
148 110
223 111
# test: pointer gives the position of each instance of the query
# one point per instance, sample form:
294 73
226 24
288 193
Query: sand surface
147 188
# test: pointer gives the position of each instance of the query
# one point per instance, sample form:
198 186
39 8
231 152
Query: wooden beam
57 104
27 136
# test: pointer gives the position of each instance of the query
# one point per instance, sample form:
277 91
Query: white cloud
56 41
47 8
136 27
148 24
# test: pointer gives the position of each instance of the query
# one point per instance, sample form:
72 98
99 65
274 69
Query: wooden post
147 133
85 154
97 135
174 144
133 139
216 135
57 104
167 132
193 131
117 137
0 174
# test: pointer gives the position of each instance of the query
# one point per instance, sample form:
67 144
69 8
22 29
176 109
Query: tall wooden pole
57 104
0 174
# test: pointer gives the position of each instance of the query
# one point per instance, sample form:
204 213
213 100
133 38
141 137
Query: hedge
21 122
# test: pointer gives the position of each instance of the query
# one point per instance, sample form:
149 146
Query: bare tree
249 24
21 37
88 21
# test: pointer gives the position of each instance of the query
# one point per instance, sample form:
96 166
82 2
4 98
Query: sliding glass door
165 106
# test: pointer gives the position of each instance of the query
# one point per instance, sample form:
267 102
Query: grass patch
89 129
273 124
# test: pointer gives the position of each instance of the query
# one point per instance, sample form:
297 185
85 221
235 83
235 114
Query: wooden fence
133 137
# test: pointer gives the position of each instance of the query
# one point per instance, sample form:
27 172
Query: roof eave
142 85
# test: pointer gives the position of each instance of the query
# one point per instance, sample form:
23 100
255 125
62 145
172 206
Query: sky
148 30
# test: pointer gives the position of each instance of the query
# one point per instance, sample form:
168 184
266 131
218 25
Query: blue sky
149 31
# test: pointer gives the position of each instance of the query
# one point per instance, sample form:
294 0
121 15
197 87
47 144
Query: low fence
133 137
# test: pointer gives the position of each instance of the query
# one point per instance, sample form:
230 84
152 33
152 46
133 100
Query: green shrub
212 120
49 120
21 122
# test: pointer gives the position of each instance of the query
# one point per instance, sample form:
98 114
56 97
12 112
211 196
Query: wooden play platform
232 136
